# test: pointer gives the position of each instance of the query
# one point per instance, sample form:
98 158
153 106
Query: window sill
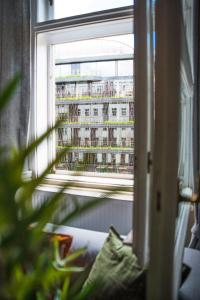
93 193
97 183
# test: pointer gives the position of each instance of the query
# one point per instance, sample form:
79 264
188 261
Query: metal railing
96 167
65 117
77 142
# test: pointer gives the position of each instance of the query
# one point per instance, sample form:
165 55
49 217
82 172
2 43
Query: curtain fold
15 57
189 145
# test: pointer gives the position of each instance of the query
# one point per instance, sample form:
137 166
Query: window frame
117 22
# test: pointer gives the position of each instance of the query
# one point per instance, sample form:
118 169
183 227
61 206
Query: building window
113 159
75 69
95 112
114 111
122 161
123 111
132 142
79 112
131 159
104 158
87 112
87 142
105 143
123 142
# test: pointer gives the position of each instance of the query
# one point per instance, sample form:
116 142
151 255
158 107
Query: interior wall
115 212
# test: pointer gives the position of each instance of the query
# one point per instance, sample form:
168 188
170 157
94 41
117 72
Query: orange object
65 242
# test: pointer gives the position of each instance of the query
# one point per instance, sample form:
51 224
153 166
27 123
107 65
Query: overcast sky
66 8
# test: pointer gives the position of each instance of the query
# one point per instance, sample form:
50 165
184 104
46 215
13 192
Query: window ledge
89 182
87 192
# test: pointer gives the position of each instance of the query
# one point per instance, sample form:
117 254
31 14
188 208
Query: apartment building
94 101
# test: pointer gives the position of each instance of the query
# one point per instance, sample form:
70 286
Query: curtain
15 57
195 240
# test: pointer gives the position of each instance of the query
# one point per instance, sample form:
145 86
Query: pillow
116 273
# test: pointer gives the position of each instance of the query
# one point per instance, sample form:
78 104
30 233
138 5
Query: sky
66 8
103 46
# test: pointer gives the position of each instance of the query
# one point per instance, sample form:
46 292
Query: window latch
149 162
187 195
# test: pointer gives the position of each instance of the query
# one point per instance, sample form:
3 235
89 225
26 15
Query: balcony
90 121
96 167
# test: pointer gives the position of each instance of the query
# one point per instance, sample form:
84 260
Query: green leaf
67 269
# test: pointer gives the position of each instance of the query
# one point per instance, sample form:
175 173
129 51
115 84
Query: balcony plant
30 266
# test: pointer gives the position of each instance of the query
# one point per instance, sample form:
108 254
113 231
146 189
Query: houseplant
30 266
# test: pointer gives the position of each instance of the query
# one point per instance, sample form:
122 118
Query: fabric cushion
116 272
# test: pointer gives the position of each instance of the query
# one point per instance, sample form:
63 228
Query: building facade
97 114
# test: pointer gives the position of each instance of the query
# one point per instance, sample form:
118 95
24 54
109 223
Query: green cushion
116 268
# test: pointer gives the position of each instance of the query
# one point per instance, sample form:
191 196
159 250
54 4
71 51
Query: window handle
187 194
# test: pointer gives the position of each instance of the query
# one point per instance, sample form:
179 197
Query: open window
83 75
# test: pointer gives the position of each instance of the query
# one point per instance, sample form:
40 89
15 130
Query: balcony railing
105 119
85 95
96 167
99 143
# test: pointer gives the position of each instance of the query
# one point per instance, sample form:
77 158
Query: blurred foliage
30 265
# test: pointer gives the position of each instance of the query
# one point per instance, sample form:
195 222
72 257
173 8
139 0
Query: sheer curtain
188 164
15 57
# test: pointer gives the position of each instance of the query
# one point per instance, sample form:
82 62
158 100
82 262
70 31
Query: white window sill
87 186
97 183
87 192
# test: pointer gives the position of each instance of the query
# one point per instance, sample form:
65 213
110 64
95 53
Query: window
105 143
75 69
61 8
95 112
88 74
131 159
123 111
87 112
114 111
123 142
113 159
132 142
104 158
122 159
87 142
81 72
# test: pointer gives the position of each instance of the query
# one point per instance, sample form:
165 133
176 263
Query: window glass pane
64 8
94 101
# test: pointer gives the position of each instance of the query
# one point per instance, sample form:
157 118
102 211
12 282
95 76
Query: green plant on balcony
69 98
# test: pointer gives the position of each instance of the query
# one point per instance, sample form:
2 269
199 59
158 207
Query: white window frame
49 33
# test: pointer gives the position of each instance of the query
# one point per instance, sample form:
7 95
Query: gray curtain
15 57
